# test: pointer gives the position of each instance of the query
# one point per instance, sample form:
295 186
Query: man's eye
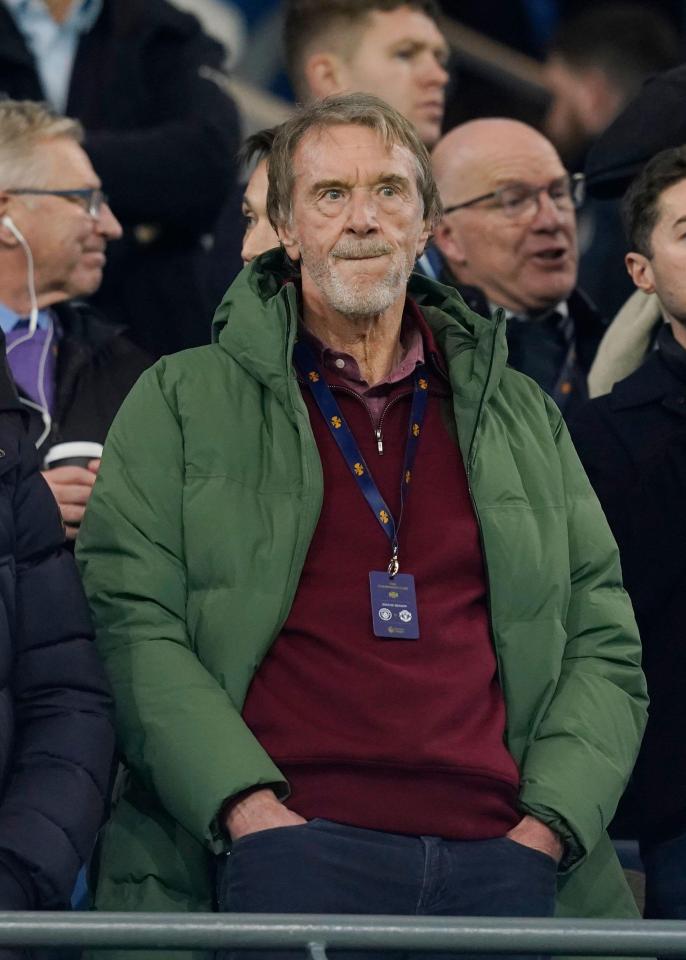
405 53
333 194
388 191
250 218
514 198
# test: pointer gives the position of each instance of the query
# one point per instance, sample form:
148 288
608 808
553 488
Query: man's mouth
355 251
432 108
359 256
551 255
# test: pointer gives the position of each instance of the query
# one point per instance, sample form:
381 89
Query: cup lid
75 448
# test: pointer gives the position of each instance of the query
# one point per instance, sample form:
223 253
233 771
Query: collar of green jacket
256 323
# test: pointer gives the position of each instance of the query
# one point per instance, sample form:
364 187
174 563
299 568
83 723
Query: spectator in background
508 239
597 62
73 371
161 130
259 233
391 48
652 122
57 729
633 445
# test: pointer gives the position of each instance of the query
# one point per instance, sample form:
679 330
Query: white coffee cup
77 453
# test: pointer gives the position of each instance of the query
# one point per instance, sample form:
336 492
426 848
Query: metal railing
316 934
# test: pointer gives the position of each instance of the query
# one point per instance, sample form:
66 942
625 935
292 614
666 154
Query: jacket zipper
376 428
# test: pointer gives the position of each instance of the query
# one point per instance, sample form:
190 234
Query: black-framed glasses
520 200
91 199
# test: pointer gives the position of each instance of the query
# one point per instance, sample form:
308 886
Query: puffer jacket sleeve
179 731
58 780
577 766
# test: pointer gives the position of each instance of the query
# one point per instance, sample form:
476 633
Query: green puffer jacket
192 548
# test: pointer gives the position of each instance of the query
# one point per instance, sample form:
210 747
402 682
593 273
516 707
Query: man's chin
84 283
429 130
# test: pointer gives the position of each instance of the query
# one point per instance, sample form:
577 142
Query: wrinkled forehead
351 154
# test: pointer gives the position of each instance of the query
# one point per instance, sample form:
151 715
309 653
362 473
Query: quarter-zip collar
256 323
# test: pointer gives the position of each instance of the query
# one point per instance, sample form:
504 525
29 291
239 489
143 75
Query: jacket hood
257 319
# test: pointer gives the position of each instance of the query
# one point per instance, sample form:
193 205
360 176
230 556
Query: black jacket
632 443
56 713
543 360
96 367
162 134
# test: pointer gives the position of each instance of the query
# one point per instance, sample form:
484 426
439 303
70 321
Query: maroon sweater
401 736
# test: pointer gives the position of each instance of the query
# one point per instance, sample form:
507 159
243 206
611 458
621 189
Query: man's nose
106 224
258 240
548 215
362 213
434 74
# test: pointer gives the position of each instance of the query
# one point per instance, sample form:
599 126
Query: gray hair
357 109
23 125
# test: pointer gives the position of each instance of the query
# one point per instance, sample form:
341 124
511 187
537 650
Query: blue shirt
53 44
33 361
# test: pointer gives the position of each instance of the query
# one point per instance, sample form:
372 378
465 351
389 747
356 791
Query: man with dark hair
259 234
391 48
289 552
597 62
508 240
633 445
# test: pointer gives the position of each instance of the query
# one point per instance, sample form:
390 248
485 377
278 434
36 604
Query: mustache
348 249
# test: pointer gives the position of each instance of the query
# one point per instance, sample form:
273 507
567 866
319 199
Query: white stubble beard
351 301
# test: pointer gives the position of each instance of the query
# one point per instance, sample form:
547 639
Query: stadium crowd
358 587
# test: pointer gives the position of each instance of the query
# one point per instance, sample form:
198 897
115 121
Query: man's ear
448 241
289 242
423 239
8 238
640 270
323 73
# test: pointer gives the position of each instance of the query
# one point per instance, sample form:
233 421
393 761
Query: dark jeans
326 867
665 869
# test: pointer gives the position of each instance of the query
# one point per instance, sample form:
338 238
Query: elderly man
360 607
633 445
71 368
391 48
508 239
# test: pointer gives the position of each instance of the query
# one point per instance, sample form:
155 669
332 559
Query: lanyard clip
394 565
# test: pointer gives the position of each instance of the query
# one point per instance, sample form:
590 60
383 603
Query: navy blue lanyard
342 434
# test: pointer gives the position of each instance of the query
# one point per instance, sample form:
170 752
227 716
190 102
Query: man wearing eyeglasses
508 239
71 368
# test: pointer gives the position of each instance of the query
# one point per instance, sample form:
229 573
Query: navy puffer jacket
56 727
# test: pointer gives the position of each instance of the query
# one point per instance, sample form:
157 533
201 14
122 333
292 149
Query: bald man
508 239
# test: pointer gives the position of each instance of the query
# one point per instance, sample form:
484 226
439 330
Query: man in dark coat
508 239
72 369
161 130
633 445
56 723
